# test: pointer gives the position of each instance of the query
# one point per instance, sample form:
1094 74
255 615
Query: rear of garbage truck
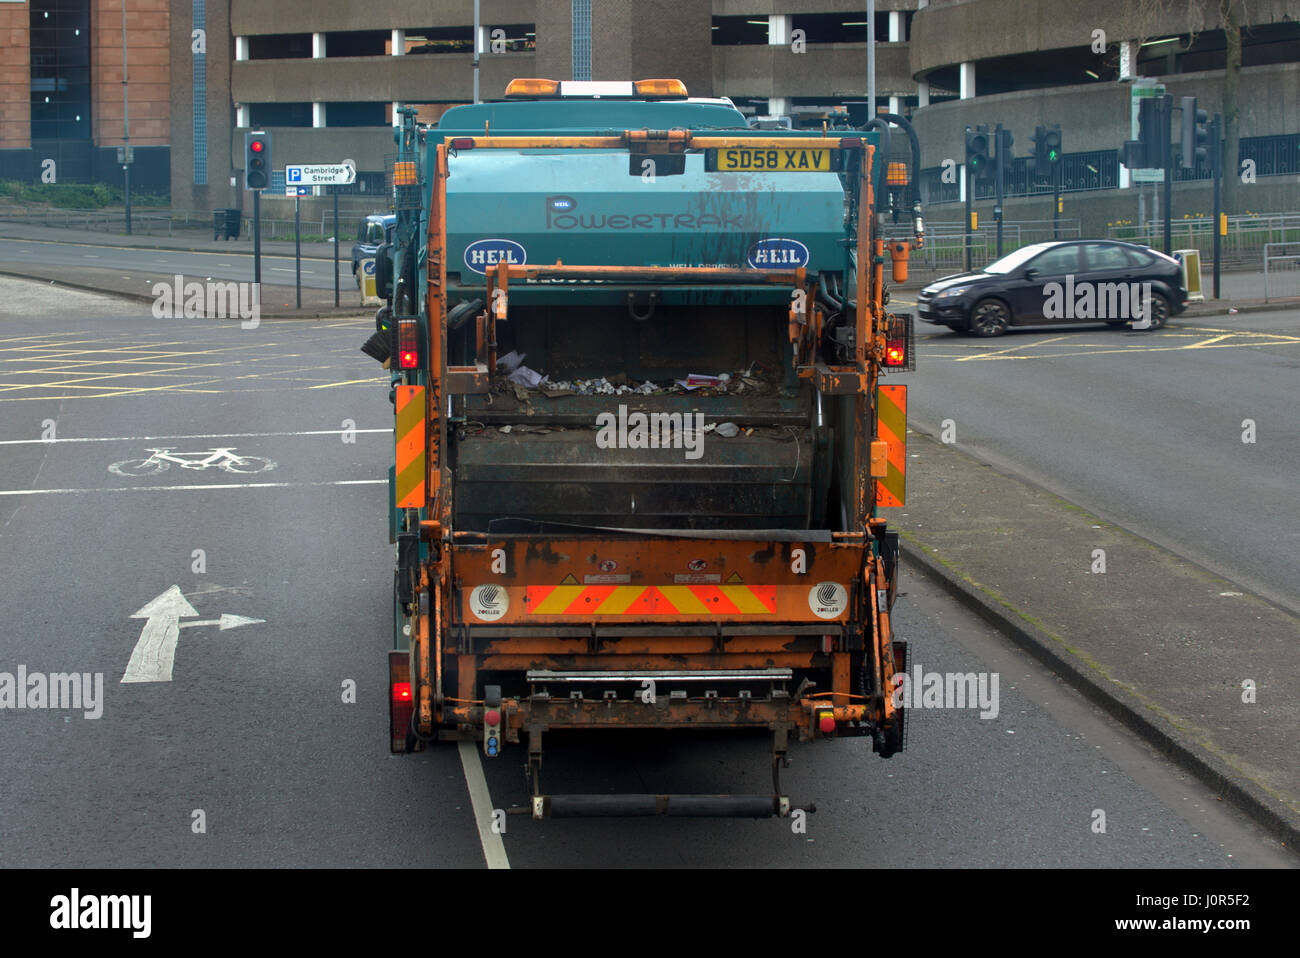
642 436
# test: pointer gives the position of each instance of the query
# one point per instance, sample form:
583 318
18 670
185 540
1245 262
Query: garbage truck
637 354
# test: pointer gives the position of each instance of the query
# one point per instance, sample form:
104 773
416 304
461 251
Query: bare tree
1143 19
1232 13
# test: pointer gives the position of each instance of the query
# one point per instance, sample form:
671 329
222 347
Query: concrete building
1023 63
324 78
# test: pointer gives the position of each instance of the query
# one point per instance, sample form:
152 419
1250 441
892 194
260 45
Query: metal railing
170 222
945 243
1246 238
1281 270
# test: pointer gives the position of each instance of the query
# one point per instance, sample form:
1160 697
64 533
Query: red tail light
462 143
851 143
401 703
900 343
408 343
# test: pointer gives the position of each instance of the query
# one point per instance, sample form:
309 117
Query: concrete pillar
241 115
399 42
1128 51
967 80
397 120
961 190
922 93
317 114
778 105
241 48
778 30
895 26
896 105
318 46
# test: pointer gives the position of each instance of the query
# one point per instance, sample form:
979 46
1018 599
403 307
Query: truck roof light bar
529 87
664 88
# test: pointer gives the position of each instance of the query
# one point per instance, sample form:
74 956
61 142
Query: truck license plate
775 160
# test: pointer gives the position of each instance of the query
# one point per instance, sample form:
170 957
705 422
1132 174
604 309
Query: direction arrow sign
321 174
155 651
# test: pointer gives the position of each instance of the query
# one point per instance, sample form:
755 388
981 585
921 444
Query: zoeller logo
1087 300
489 602
560 216
75 911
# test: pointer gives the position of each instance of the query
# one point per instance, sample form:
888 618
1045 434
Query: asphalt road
253 737
235 263
1143 429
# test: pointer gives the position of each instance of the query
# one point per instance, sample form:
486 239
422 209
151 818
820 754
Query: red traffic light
257 146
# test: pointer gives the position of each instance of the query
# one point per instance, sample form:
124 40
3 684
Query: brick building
61 91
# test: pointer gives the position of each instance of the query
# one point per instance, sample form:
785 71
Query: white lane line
494 849
282 269
213 435
195 488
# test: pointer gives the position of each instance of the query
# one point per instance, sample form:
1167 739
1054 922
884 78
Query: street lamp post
126 129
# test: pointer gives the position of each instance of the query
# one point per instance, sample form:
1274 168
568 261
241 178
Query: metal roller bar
713 675
672 806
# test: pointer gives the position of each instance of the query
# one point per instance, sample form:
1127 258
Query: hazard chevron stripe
410 452
604 600
891 426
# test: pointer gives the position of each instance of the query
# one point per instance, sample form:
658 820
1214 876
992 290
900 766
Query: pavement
1206 672
192 241
135 281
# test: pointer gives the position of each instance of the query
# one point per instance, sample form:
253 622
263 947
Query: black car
1063 281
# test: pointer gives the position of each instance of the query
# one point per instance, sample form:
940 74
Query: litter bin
225 224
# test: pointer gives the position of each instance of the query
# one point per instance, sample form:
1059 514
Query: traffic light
978 163
1040 148
1052 144
257 160
1196 136
1004 139
1150 151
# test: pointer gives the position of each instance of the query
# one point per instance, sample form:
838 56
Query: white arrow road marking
155 651
227 621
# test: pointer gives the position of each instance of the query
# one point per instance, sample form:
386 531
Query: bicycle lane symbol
162 459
